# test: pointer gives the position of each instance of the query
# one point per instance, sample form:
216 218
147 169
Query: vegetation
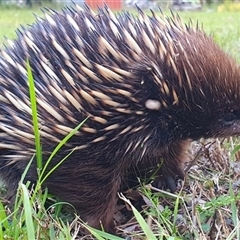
205 205
225 26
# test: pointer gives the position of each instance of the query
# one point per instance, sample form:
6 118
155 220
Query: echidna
148 84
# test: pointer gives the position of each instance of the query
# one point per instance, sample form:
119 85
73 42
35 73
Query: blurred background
178 5
219 18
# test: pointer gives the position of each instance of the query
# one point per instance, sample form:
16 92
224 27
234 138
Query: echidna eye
229 118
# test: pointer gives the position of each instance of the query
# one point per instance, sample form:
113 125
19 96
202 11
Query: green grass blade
28 213
100 235
145 227
176 208
58 147
55 167
234 209
4 221
234 151
34 116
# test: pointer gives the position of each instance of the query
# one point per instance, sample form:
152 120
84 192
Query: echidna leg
164 166
174 157
92 190
100 211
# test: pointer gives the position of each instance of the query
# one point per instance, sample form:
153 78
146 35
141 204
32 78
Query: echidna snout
147 84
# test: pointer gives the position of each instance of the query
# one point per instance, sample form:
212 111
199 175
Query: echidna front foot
172 169
168 180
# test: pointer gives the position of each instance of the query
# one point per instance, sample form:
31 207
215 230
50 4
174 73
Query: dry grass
206 203
205 207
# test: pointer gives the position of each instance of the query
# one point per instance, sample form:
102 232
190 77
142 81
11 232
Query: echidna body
148 85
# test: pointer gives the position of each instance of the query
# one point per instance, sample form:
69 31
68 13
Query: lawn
13 18
207 205
225 26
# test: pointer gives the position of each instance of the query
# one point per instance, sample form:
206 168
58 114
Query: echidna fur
148 84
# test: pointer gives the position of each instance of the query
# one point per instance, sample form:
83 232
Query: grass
14 17
225 26
11 19
206 206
